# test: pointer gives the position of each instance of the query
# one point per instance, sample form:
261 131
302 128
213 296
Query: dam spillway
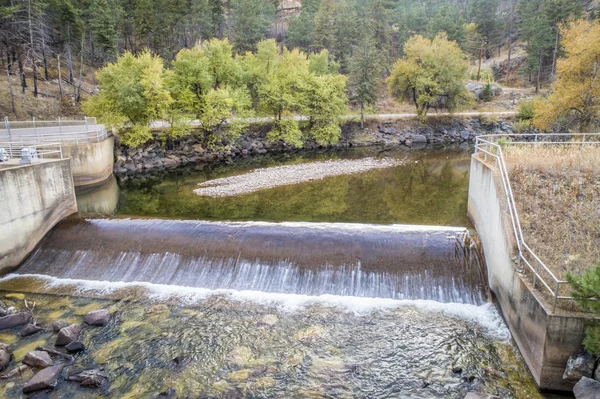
361 260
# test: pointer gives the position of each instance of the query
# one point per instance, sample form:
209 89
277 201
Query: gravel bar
264 178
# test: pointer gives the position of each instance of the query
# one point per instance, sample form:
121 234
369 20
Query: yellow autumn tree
430 75
574 104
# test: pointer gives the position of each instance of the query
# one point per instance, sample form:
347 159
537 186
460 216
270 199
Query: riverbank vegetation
557 192
222 91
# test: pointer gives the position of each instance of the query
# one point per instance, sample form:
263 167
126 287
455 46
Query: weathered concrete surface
33 198
91 163
544 339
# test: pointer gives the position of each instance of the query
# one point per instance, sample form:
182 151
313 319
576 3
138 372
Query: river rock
587 388
67 335
579 365
59 325
419 138
45 379
14 320
98 317
38 359
92 378
171 393
5 356
31 329
477 395
75 347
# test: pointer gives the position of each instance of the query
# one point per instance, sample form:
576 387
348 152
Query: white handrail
66 132
484 145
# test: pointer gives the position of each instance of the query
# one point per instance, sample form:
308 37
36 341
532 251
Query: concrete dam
361 260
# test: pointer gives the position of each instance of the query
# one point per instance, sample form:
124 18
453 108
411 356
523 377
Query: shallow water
430 189
220 347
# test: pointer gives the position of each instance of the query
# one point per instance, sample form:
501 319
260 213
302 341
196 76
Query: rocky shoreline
155 156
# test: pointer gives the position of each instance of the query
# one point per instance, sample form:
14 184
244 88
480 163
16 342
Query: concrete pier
33 198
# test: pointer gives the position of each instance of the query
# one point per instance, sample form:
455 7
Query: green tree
325 97
321 64
324 36
250 21
132 95
431 74
301 29
365 76
206 82
448 19
586 291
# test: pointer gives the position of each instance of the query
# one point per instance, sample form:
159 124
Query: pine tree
365 76
250 20
325 26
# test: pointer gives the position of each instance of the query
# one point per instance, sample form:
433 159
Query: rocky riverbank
156 156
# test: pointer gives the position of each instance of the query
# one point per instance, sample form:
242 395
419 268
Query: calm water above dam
329 303
430 189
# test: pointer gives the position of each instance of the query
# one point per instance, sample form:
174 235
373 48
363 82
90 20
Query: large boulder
5 356
45 379
579 365
14 320
67 335
587 388
98 317
38 359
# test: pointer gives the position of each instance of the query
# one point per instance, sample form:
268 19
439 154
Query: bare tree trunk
10 92
69 57
59 76
555 52
511 27
78 96
362 115
479 66
539 74
32 49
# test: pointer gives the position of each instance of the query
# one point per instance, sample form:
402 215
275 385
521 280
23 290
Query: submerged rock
75 347
31 329
5 356
68 334
92 378
171 393
587 388
14 320
45 379
38 359
579 365
98 317
59 325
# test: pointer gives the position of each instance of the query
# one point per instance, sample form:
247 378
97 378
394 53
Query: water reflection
102 198
431 189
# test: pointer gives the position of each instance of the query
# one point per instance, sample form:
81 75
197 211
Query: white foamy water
484 315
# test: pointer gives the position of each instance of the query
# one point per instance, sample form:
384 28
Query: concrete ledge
33 199
91 163
545 339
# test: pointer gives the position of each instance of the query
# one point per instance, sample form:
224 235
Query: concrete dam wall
33 198
400 262
545 339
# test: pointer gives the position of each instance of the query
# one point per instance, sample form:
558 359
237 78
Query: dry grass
557 193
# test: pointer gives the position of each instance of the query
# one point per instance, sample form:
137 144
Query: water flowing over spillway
399 262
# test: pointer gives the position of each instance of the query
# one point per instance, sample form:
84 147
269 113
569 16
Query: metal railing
65 131
44 151
491 146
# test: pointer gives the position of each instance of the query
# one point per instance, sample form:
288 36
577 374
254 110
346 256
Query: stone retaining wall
156 156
